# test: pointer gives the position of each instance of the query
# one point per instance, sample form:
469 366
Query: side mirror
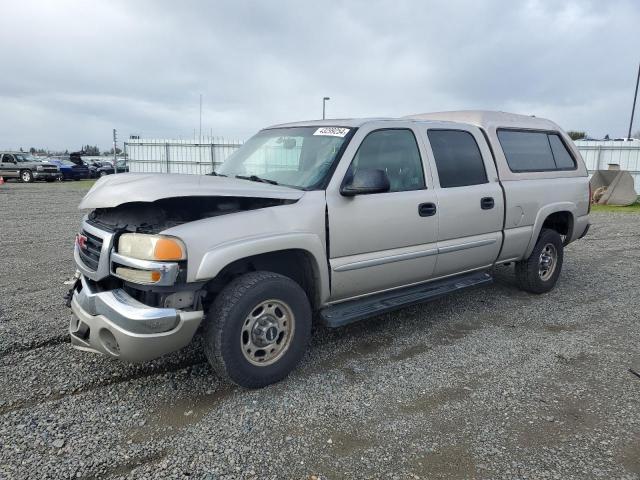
366 180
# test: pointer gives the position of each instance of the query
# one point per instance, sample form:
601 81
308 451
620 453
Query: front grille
50 169
90 255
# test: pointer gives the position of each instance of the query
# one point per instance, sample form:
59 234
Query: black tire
529 272
26 176
103 174
233 309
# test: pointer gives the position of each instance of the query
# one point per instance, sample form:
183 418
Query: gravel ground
490 383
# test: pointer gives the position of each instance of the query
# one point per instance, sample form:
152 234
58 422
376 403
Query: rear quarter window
563 158
533 151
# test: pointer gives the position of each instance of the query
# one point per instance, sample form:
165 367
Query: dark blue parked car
71 171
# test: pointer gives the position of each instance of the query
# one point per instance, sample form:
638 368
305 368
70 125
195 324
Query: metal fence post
166 146
599 157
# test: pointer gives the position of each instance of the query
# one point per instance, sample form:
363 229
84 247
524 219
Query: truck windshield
298 157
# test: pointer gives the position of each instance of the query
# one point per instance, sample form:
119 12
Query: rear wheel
26 176
539 273
257 329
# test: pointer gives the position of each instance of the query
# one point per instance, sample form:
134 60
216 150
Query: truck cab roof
485 119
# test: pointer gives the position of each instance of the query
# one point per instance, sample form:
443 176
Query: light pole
115 151
324 101
634 103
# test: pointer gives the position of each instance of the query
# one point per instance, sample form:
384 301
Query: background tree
575 135
92 150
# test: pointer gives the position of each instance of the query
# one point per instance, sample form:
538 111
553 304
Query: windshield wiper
255 178
216 174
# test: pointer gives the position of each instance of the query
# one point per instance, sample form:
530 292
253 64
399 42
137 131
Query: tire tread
220 313
527 270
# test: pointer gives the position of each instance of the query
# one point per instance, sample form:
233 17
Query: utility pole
324 101
633 109
115 149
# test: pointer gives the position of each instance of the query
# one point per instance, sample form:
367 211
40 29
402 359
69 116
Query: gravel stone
58 443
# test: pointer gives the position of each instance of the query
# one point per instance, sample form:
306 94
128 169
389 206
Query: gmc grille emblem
81 241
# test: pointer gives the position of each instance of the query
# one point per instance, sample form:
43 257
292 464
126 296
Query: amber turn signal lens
168 249
138 276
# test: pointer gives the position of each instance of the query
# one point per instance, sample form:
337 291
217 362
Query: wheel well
561 222
296 264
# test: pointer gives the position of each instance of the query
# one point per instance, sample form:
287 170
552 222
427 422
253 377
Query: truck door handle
487 203
427 209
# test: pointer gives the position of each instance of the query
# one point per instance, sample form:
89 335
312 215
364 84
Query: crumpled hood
114 190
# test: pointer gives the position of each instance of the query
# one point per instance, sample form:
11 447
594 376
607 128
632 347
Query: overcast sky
73 70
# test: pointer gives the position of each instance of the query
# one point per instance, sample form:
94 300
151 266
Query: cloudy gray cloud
73 70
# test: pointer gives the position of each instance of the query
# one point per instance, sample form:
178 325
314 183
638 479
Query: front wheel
539 273
257 329
26 176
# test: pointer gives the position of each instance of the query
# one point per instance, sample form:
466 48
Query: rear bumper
115 324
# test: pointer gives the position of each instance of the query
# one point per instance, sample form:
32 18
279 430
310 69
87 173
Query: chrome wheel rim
548 261
267 332
26 176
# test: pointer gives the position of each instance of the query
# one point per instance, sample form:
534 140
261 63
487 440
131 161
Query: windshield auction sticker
332 131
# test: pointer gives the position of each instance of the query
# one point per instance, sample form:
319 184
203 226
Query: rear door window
458 158
530 151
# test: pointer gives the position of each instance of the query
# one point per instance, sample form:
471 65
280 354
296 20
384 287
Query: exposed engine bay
154 217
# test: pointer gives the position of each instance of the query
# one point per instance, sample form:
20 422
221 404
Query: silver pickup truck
331 221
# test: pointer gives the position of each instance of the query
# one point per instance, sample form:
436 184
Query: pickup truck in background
23 166
334 221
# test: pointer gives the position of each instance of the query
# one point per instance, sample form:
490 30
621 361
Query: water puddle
171 417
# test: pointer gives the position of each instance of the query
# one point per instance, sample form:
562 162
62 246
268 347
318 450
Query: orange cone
1 181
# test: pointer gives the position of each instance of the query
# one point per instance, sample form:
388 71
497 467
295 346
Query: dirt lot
491 383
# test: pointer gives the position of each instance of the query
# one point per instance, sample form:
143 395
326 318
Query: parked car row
27 168
107 168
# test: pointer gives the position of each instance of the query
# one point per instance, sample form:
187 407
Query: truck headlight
39 168
151 247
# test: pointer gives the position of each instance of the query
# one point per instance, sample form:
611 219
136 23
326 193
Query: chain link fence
177 156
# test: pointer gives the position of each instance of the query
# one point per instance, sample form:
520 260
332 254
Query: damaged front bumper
115 324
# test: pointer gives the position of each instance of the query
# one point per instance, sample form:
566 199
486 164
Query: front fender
542 215
224 254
